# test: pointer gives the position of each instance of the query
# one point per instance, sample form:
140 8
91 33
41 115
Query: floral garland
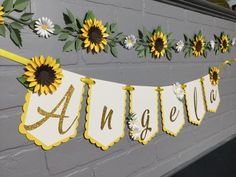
92 35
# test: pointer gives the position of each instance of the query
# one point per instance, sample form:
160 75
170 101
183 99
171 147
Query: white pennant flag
172 111
145 106
195 101
52 119
105 119
212 95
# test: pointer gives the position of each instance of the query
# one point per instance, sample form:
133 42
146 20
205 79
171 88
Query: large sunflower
43 75
1 15
94 35
158 44
224 43
198 46
214 75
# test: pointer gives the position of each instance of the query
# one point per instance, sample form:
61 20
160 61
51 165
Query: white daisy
130 41
179 46
135 133
178 90
212 44
44 27
133 123
233 41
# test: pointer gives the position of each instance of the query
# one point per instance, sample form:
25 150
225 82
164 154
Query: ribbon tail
14 57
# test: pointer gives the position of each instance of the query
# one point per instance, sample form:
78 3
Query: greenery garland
92 35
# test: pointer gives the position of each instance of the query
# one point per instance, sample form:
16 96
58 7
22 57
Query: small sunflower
158 44
1 15
214 75
43 75
224 43
94 35
198 46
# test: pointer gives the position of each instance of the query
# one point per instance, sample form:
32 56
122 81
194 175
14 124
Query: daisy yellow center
95 35
198 46
129 41
159 44
45 75
44 27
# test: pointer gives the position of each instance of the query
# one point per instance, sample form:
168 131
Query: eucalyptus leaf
26 16
2 31
15 36
20 5
114 51
69 46
8 5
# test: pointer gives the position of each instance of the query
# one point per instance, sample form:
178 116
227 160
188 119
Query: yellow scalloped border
37 141
187 109
154 133
160 90
204 93
91 139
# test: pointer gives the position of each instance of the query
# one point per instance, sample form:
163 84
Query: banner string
222 65
14 57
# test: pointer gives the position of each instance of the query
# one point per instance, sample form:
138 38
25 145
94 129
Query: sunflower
43 75
94 35
198 45
158 44
214 75
1 15
224 43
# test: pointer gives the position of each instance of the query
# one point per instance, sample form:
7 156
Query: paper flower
135 133
133 123
198 45
179 46
233 41
212 44
214 75
94 35
1 15
44 27
158 44
130 41
178 90
43 75
224 43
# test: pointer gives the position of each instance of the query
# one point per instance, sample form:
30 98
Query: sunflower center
215 76
198 46
44 27
45 75
159 44
95 35
224 43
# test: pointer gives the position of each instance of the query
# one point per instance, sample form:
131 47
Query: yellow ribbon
225 63
14 57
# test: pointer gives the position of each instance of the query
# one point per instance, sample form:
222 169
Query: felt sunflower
158 44
214 75
198 46
224 43
44 75
94 35
1 15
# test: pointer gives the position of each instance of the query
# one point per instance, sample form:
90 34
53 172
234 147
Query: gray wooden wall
19 157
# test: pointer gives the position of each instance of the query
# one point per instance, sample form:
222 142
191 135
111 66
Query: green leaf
63 36
26 16
71 16
158 29
16 25
58 61
23 81
2 31
78 44
141 53
185 37
113 27
69 46
114 51
8 5
89 15
146 33
107 25
57 29
168 55
105 49
79 23
20 5
32 25
15 36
